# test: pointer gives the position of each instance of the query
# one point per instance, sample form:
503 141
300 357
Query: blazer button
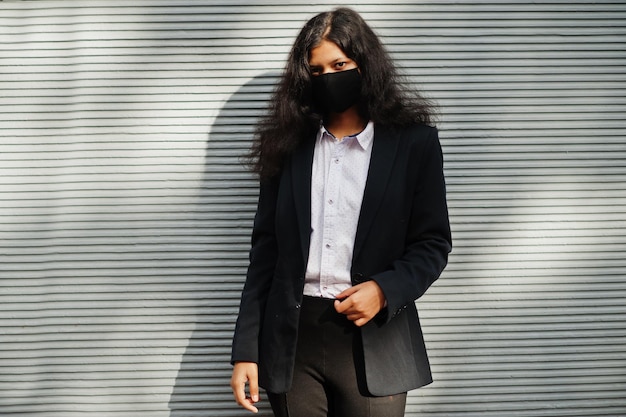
298 306
358 278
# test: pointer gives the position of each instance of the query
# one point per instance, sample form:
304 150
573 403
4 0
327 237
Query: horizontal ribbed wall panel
125 212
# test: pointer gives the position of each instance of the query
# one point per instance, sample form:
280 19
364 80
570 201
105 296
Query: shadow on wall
228 201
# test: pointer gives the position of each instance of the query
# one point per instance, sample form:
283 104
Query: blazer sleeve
428 238
263 255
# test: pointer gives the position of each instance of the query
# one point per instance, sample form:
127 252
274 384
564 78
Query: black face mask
335 92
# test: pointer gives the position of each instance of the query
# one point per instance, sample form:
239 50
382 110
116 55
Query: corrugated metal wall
125 214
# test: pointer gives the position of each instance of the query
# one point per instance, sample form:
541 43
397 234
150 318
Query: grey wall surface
125 212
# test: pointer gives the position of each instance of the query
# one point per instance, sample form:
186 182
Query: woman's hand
361 303
246 372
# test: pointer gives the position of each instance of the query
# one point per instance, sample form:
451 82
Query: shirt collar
364 138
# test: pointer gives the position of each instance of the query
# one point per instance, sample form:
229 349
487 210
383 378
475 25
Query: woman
351 228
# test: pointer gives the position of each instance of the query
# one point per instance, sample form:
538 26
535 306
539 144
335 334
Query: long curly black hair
292 116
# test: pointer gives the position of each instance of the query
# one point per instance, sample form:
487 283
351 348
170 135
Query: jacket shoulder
413 132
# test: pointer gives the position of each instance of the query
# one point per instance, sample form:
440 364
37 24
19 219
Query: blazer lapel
301 171
384 151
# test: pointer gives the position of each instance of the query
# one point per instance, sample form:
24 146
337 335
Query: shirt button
327 246
337 160
330 201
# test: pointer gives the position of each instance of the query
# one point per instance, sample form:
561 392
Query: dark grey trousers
329 379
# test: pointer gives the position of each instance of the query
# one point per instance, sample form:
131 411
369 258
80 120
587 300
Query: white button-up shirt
340 168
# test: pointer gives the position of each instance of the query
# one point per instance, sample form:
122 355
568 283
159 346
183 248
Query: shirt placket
331 216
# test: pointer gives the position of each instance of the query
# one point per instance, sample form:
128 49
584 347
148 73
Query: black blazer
402 242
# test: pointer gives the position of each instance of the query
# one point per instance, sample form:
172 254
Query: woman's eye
340 64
